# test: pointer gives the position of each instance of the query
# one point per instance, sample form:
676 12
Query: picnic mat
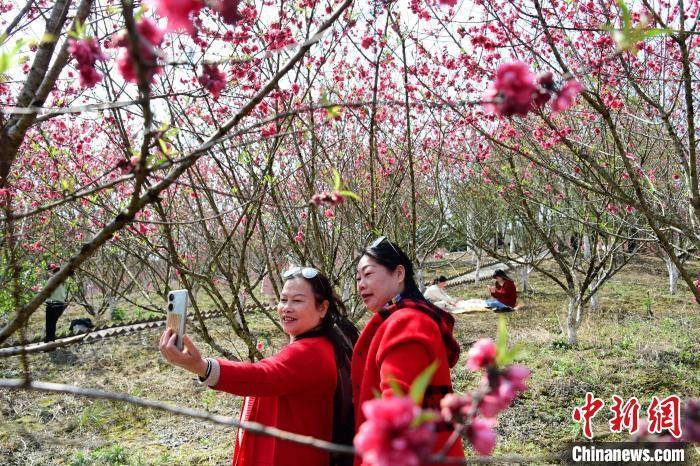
471 306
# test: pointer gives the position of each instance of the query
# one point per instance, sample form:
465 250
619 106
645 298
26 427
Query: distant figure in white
436 294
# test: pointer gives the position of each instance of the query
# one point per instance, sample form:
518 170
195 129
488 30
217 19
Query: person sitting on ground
697 286
504 293
436 294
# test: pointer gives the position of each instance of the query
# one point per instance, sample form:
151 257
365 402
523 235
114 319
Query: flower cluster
516 91
334 198
150 37
179 13
86 52
213 79
477 413
389 436
228 10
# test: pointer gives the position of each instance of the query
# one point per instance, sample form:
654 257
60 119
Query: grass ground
621 351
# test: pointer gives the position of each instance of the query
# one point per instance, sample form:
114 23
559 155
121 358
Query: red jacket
401 346
293 391
506 293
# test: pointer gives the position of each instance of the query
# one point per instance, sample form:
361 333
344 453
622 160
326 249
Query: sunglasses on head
380 240
306 272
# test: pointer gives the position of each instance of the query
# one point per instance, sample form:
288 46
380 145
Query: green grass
621 351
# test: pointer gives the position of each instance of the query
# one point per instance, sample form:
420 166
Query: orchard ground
622 351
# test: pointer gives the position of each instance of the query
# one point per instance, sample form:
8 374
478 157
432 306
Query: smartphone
177 314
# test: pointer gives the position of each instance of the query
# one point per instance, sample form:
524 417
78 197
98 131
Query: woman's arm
305 365
308 364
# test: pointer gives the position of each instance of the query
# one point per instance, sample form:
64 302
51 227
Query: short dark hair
501 273
440 279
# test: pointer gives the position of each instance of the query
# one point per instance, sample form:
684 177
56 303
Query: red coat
293 391
506 293
402 346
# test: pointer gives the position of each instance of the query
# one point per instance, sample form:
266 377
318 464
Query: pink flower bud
337 198
481 436
567 95
482 354
316 199
453 406
213 79
491 405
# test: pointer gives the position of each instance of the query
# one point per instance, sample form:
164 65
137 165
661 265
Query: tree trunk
524 278
673 274
420 279
573 319
478 268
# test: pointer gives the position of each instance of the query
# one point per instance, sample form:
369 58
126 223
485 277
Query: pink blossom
516 374
545 84
367 42
491 405
213 79
179 13
316 199
150 31
481 436
337 198
454 407
228 10
512 91
482 354
299 236
86 52
387 438
329 213
151 37
448 2
567 95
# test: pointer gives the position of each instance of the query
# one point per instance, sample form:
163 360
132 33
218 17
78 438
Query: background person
436 294
404 336
55 306
304 389
504 293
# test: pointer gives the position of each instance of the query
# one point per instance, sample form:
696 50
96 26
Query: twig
253 427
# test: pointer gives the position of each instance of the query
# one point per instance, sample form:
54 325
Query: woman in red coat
504 293
404 336
304 389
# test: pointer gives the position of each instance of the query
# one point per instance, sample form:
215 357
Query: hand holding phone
177 314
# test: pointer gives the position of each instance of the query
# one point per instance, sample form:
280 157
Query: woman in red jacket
504 293
404 336
304 389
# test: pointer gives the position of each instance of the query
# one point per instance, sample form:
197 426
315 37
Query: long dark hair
343 334
390 255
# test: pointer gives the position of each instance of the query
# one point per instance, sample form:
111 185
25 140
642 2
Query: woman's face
297 307
377 284
500 280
